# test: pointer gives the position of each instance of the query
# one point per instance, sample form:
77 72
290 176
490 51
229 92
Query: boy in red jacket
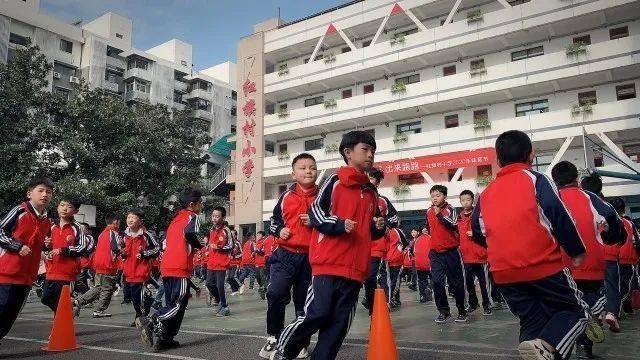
22 234
474 257
248 262
261 276
105 264
140 248
159 329
524 240
220 246
591 215
442 224
395 258
63 251
421 248
345 218
289 262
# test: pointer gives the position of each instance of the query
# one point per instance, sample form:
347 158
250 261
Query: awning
222 147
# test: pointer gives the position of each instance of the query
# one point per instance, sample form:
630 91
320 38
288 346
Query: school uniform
524 224
474 258
248 263
22 225
339 263
261 276
234 265
220 246
421 249
627 263
105 266
137 271
395 259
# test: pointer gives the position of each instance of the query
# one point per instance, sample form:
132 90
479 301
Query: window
517 2
368 89
484 170
345 49
626 91
314 101
541 162
366 43
411 179
451 121
587 97
585 39
477 64
137 63
598 160
110 76
282 148
409 32
347 93
140 86
411 79
532 107
282 107
270 109
618 33
314 144
269 146
411 128
632 151
19 39
62 92
177 97
183 63
449 70
480 114
119 36
66 46
233 128
113 52
234 95
527 53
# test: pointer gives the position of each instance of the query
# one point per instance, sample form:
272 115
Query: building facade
100 53
436 82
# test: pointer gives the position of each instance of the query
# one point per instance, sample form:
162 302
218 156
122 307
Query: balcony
203 114
519 24
111 86
179 106
116 62
135 95
530 77
138 73
604 117
180 86
198 93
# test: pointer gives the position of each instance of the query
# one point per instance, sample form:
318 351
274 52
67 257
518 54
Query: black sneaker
584 352
441 319
471 309
277 355
487 312
147 327
462 318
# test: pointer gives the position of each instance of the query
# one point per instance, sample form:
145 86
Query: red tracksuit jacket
22 226
220 246
286 214
105 258
395 250
332 251
248 253
590 213
85 260
180 245
143 243
522 220
260 259
421 248
70 239
236 254
379 246
629 250
443 228
270 245
472 253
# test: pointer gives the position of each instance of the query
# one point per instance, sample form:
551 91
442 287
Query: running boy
63 252
261 275
442 224
523 240
289 263
159 329
345 218
474 257
220 246
22 234
421 248
395 258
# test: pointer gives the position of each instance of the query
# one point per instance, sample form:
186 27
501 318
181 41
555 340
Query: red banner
450 160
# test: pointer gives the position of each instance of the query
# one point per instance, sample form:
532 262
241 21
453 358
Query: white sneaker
234 293
612 322
115 293
534 350
241 291
269 348
303 354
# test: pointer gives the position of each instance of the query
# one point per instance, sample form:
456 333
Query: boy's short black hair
137 212
376 174
44 181
300 157
111 217
74 201
353 138
189 195
618 203
415 229
222 210
592 182
513 146
261 233
439 188
468 192
564 173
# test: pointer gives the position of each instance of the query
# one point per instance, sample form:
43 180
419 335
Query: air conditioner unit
74 80
56 75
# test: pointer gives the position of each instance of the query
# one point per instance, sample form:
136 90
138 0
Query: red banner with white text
458 159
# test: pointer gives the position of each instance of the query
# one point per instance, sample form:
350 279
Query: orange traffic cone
382 344
63 334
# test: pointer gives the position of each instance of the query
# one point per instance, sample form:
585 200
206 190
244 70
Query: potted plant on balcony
329 58
483 180
478 68
401 189
331 148
283 69
399 88
397 39
575 49
481 121
474 16
284 156
330 103
586 108
400 138
282 113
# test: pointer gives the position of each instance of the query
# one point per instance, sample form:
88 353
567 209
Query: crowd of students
558 254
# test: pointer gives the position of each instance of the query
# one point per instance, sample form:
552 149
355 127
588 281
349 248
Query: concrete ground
241 335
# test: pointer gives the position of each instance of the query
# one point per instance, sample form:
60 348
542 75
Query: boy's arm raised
556 217
477 227
377 231
320 211
80 247
153 248
449 217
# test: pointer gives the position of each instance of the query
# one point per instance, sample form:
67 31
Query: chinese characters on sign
248 130
445 161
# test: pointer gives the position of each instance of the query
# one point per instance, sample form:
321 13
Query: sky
212 27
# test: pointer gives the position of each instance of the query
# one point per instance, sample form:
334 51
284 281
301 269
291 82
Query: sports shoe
594 331
534 350
471 309
612 321
441 319
498 305
117 291
268 348
165 345
303 354
241 290
462 318
147 326
584 352
76 308
487 312
235 293
100 314
277 355
223 312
